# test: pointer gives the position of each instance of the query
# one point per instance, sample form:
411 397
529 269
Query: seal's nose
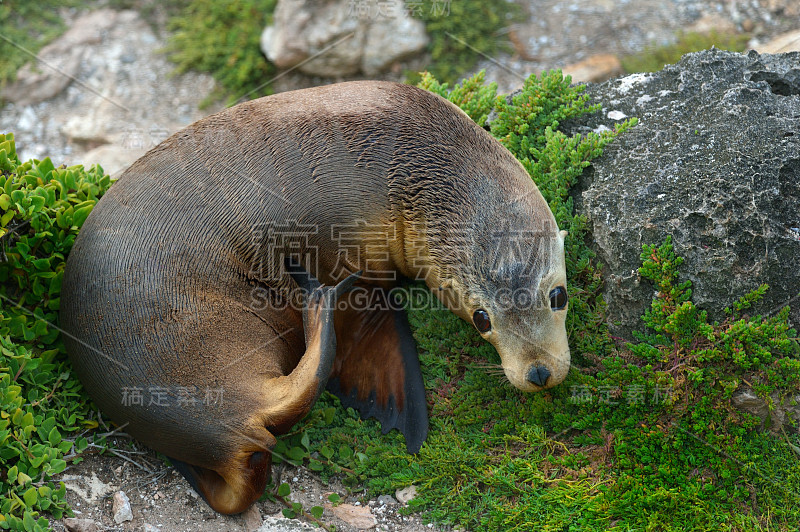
538 375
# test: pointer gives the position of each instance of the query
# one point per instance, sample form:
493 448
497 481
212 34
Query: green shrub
462 31
27 26
42 404
473 95
222 38
654 58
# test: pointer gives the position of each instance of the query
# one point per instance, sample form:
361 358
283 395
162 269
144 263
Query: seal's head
500 265
522 306
517 300
478 230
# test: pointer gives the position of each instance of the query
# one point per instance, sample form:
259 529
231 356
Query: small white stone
406 494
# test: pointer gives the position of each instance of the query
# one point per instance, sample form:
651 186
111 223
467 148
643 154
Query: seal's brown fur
176 283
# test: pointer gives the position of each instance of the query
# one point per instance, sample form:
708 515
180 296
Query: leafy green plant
653 58
222 38
295 509
42 404
472 95
295 449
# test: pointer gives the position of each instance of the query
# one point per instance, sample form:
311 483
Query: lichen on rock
714 162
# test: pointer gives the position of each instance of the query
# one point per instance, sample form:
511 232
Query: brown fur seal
177 299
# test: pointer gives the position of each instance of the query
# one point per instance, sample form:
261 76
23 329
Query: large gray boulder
341 37
714 162
59 62
120 99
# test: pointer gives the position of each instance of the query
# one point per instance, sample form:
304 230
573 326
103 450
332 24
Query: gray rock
124 93
358 517
406 494
88 130
58 63
281 524
73 524
785 42
749 402
121 508
341 37
113 159
386 500
251 518
714 162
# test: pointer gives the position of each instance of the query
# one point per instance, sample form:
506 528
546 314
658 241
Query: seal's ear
304 280
563 234
446 284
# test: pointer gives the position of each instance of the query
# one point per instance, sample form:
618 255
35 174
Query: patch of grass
654 58
222 38
460 31
29 25
42 404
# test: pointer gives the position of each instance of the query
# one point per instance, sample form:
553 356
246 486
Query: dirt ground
162 500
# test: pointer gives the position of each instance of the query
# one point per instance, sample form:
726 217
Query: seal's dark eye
558 298
482 321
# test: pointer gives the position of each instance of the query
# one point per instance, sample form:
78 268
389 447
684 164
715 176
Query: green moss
654 58
27 26
222 38
42 404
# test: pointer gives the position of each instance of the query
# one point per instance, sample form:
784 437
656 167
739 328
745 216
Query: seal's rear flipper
304 279
242 473
377 369
231 495
292 396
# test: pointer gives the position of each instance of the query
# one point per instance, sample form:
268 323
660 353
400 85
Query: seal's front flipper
377 368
